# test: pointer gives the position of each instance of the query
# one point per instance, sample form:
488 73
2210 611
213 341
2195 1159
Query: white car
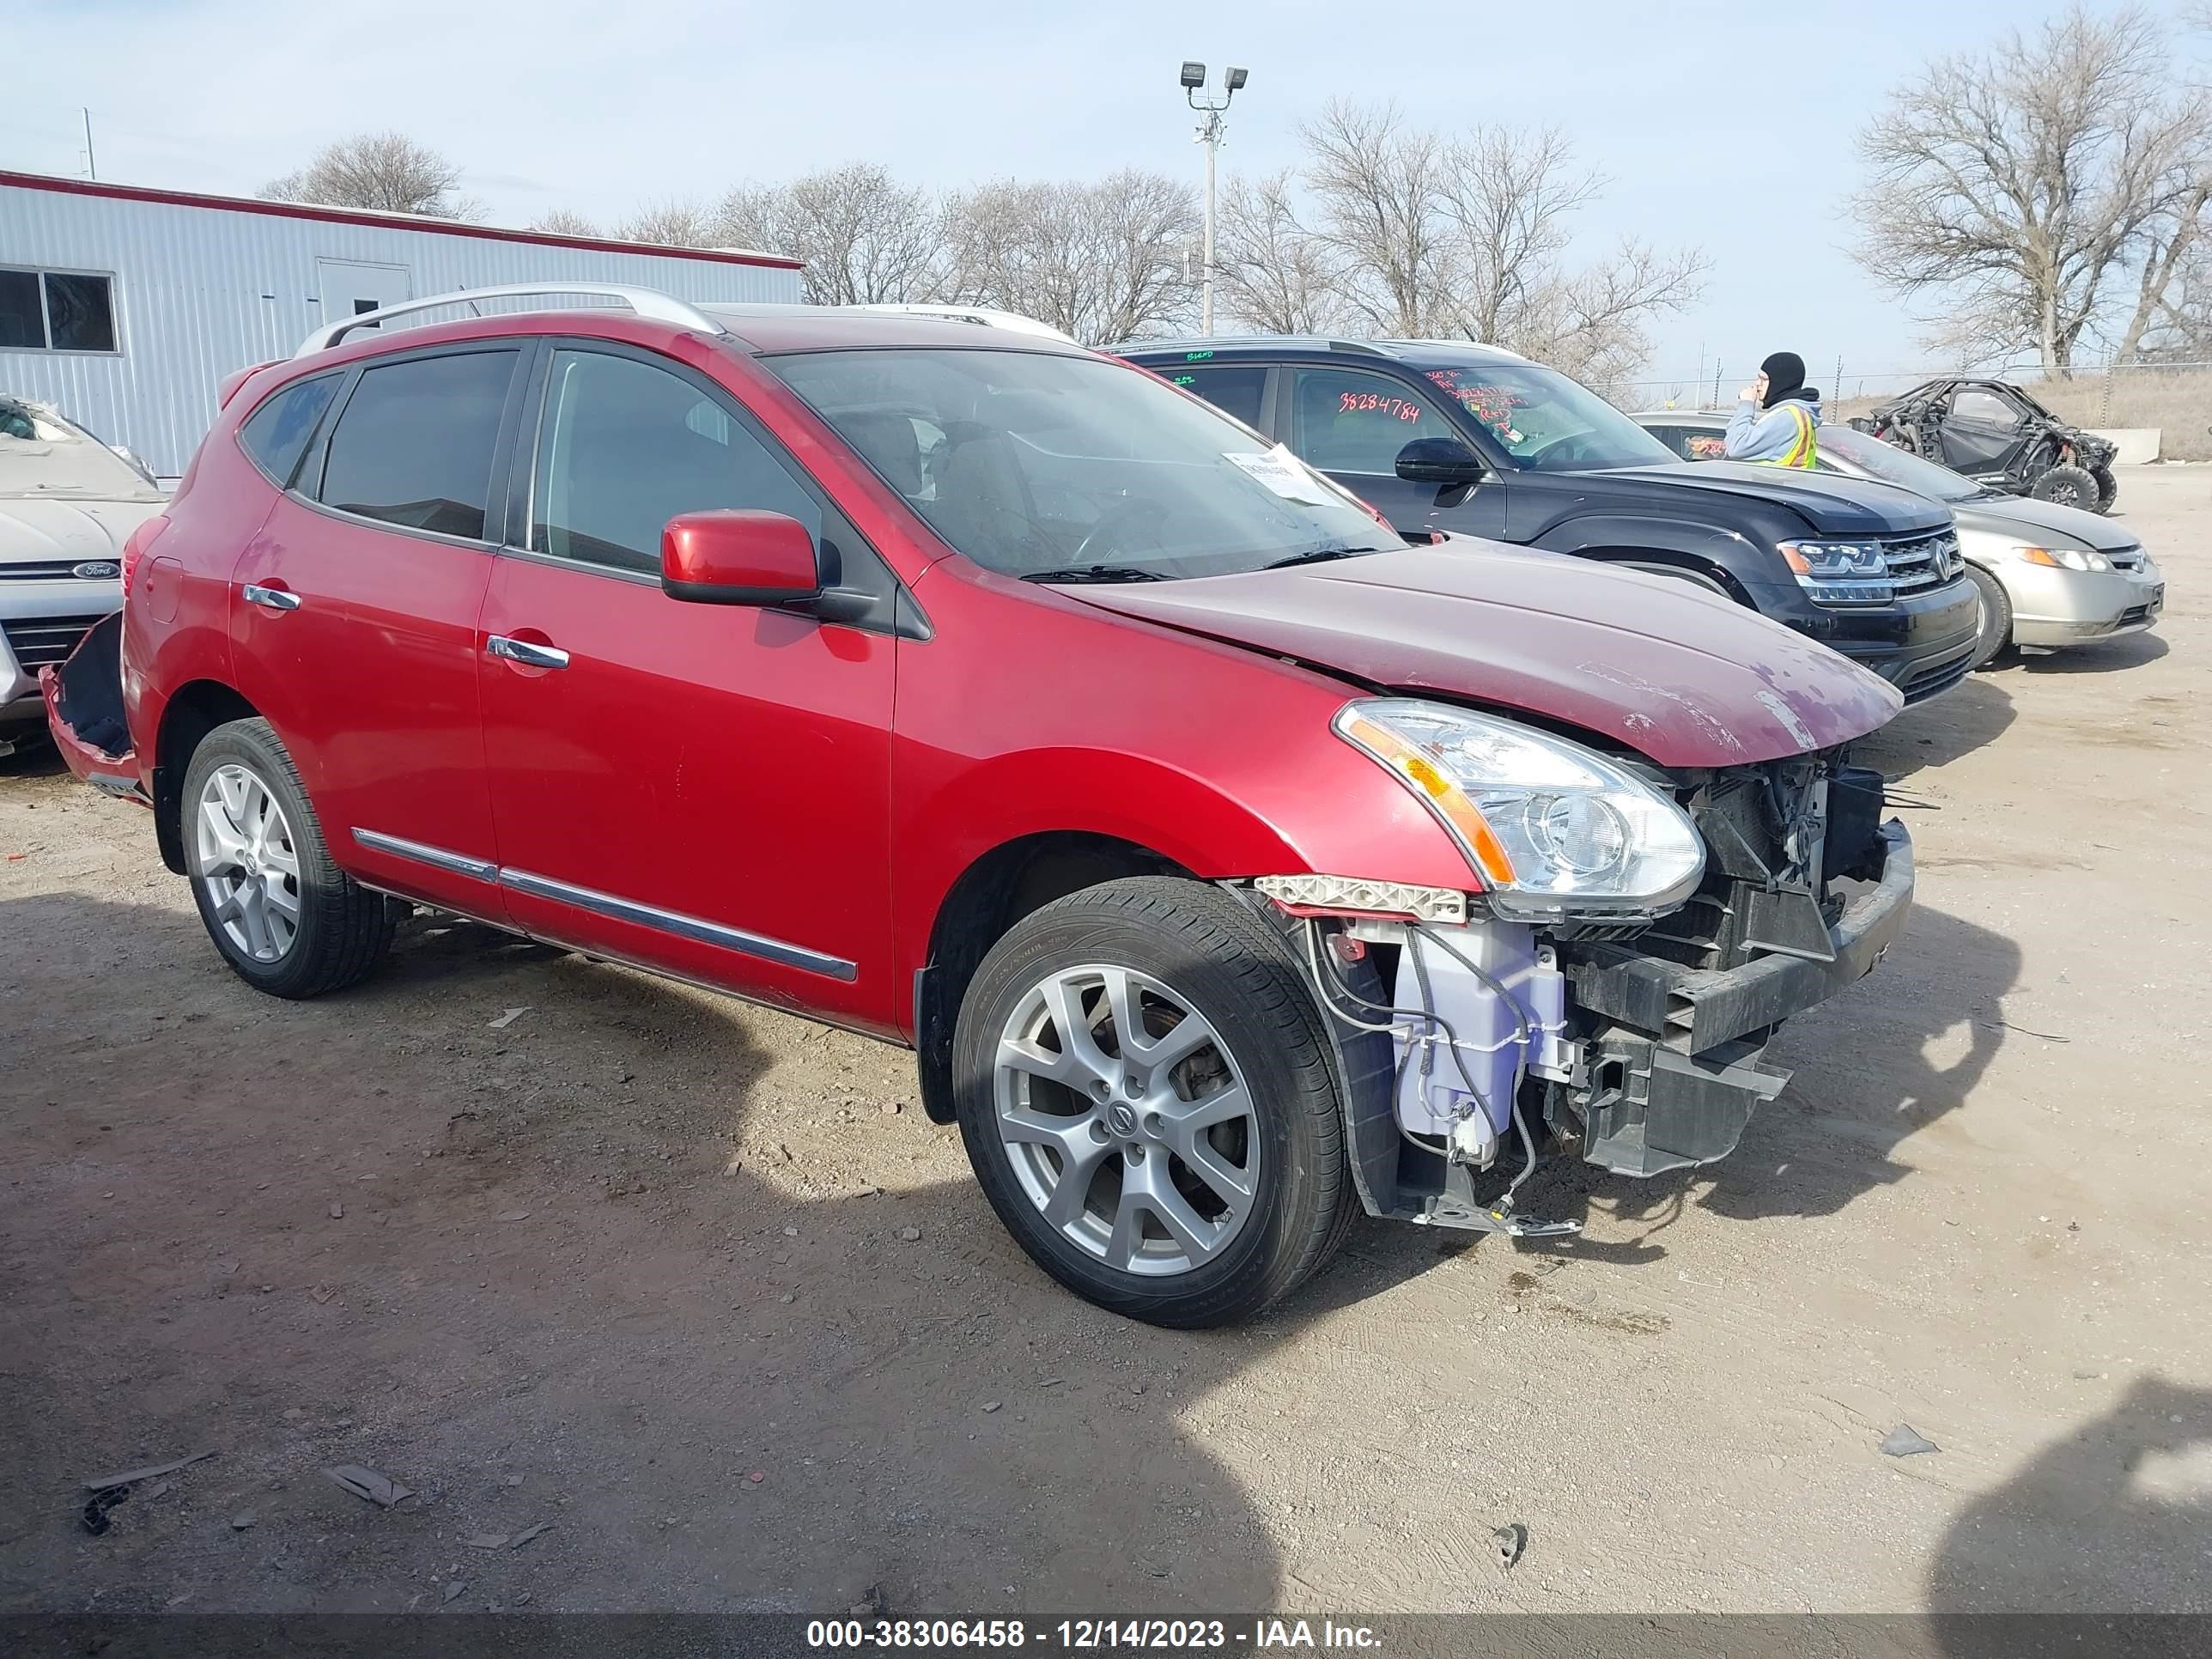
68 503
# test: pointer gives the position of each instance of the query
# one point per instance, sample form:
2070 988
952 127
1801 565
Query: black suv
1445 436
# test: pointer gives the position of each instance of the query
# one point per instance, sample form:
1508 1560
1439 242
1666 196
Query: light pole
1209 134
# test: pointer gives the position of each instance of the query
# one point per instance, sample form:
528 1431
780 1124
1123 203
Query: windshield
1060 468
1891 465
1544 421
43 456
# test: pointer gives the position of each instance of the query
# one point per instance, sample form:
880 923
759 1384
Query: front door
1352 423
350 287
700 789
354 620
1980 433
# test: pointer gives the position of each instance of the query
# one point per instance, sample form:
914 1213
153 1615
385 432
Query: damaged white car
68 503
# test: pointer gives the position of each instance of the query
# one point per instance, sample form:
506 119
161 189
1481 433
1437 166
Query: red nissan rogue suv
1232 867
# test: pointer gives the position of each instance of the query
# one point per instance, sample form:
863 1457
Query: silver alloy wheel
1127 1120
247 863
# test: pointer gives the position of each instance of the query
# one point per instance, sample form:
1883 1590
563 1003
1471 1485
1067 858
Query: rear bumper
1684 1044
83 701
40 624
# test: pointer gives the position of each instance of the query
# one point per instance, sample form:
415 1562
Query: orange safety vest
1806 450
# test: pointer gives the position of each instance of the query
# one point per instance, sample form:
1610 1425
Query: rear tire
2067 485
1994 614
2108 488
285 918
1081 1145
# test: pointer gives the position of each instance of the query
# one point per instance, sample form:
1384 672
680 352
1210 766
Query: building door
349 288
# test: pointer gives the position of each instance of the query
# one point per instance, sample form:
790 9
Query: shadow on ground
2109 1520
1975 712
636 1265
2103 657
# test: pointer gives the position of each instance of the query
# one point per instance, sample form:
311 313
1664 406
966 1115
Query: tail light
134 548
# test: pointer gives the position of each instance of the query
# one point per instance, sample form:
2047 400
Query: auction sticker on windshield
1284 473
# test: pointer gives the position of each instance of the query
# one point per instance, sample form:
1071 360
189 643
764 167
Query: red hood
1674 673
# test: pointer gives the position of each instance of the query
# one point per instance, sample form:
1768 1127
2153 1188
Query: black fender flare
1624 538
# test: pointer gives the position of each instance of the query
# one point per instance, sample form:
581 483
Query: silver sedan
2048 575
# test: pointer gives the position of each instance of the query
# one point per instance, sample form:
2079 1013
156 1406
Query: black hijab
1785 379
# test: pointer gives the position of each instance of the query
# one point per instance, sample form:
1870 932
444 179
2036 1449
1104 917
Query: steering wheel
1112 525
1572 447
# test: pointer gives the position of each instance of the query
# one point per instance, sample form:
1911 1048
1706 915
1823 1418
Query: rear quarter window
276 435
1233 390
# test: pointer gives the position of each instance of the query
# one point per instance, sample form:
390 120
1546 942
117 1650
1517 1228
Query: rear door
354 617
1352 423
700 788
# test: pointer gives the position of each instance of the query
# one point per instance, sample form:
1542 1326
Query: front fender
1749 569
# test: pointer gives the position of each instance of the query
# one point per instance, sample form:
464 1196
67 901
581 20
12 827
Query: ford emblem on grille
96 570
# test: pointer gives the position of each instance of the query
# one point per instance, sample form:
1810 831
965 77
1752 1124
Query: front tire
2067 485
1994 614
1192 1178
2108 488
282 914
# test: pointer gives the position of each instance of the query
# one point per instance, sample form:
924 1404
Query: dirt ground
634 1267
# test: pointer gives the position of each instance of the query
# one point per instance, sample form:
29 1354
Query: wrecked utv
1230 866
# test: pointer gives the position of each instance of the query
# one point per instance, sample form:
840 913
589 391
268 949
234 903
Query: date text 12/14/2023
1089 1635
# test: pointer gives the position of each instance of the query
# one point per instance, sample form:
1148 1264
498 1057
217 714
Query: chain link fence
2174 398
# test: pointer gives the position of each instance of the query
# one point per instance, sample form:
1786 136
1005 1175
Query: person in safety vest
1777 417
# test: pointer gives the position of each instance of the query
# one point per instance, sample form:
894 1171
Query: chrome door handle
270 598
523 652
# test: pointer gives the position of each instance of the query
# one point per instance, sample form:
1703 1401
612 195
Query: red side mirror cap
738 557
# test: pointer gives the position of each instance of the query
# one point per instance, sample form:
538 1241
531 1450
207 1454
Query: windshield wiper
1320 556
1094 573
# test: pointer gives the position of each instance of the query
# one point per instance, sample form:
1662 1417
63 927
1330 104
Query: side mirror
737 557
1440 461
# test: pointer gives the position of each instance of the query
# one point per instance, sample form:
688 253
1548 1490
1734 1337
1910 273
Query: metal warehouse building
125 307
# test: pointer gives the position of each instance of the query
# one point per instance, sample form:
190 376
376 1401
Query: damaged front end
1471 1037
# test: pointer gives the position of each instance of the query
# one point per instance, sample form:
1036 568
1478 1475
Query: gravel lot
634 1266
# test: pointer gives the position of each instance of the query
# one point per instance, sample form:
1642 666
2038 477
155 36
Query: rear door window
1349 421
276 434
624 448
1239 390
413 444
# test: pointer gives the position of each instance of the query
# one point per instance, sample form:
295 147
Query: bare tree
672 223
387 171
1413 234
1102 261
1378 188
2017 185
565 221
865 238
1272 269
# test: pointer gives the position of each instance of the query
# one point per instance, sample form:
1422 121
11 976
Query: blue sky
1723 125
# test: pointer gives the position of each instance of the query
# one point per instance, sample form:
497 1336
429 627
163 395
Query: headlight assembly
1840 573
2064 558
1553 828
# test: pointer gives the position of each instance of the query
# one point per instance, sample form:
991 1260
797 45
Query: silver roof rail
649 303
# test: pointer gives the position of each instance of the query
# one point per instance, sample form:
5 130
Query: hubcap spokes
247 862
1126 1121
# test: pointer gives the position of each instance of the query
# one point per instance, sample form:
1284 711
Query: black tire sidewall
2108 488
253 746
2084 486
1184 941
1996 617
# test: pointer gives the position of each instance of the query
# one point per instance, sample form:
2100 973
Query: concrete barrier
2137 444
